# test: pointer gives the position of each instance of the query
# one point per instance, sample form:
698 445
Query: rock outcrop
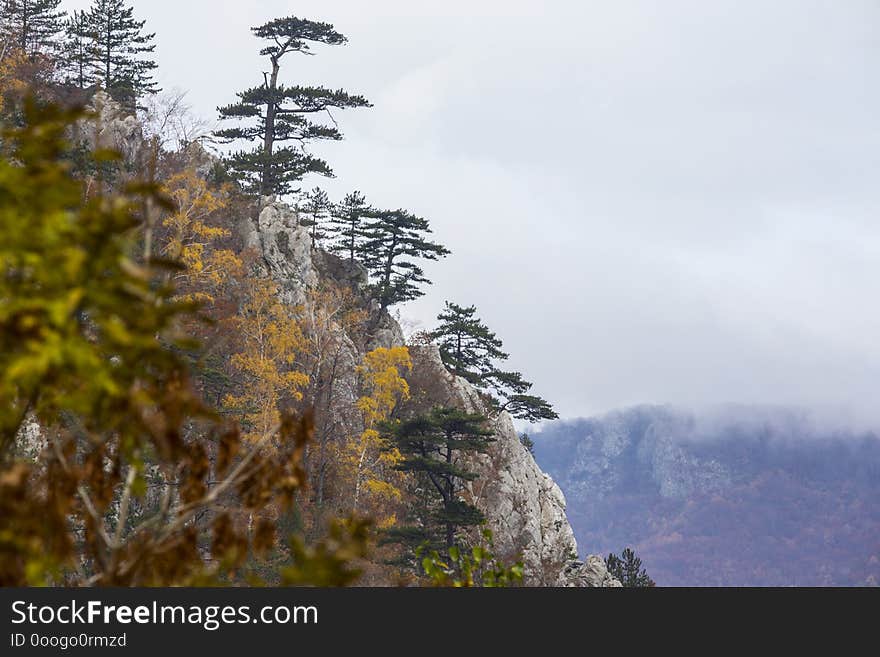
726 496
525 509
591 573
284 248
113 128
601 460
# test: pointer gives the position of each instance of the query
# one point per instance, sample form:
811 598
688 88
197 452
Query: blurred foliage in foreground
135 481
469 567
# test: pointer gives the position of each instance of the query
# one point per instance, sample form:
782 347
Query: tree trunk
450 493
269 137
24 29
386 280
107 57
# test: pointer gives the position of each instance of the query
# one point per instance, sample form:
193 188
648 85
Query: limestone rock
285 249
114 128
200 160
591 573
524 507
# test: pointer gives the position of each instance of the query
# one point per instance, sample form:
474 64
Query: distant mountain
737 497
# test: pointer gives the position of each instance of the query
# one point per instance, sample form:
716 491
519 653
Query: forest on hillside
748 497
168 415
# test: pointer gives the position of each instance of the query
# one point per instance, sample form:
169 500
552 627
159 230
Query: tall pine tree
467 346
34 26
470 350
392 240
79 51
121 50
314 211
432 447
274 116
346 221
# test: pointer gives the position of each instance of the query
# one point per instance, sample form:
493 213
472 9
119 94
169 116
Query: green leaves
292 34
627 569
272 114
318 99
279 171
107 44
80 321
470 350
391 240
136 480
332 561
432 446
468 568
34 26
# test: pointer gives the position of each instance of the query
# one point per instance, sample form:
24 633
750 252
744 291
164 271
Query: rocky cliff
524 507
111 128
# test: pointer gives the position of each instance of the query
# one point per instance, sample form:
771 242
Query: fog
650 202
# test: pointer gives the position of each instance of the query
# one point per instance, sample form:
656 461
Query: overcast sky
650 202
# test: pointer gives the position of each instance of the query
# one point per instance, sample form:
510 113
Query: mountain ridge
743 496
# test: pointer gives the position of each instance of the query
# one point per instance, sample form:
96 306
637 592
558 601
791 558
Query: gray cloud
650 202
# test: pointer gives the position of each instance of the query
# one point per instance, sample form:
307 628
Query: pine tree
273 114
431 447
627 568
346 220
392 238
79 50
120 51
314 211
470 350
467 346
36 26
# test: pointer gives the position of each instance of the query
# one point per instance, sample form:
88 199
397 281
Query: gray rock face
606 452
524 507
114 128
202 162
677 473
285 250
591 573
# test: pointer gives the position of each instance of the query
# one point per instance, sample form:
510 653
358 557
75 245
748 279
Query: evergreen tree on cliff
277 118
431 447
470 350
627 568
314 211
79 51
119 54
393 239
346 222
34 26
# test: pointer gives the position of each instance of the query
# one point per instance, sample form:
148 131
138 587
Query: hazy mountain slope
740 497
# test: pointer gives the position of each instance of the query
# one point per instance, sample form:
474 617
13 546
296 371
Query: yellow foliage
271 340
191 237
384 385
383 382
11 82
